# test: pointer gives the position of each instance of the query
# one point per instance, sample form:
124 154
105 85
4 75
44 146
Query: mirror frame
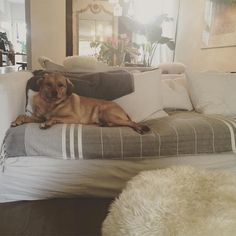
69 28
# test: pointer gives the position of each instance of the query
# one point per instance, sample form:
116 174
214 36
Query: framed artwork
219 24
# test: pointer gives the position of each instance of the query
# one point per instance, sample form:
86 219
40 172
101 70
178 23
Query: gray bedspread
179 134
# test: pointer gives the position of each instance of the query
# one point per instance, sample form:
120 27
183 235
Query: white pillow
75 64
49 65
12 98
146 101
213 93
85 64
175 94
172 68
29 105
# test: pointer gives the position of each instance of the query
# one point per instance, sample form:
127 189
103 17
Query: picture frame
219 24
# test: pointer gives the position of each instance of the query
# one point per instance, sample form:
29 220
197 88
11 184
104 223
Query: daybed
73 160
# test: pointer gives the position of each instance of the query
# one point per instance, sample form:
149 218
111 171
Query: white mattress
33 178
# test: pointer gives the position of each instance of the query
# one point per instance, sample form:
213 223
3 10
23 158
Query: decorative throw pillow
146 100
213 93
49 65
75 64
172 68
175 94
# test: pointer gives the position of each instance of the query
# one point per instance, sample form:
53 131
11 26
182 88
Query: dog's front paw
44 125
47 124
13 124
19 121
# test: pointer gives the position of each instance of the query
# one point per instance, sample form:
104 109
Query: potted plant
153 34
113 51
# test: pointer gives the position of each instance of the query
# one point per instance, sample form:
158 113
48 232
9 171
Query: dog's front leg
58 120
22 119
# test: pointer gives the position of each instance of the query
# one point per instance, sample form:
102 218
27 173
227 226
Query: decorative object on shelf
4 42
116 51
153 34
7 50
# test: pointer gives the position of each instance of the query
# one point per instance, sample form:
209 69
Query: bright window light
146 11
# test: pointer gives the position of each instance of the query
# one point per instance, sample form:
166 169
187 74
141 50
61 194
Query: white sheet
33 178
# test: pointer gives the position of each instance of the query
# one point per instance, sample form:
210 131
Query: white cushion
12 98
213 93
172 68
49 65
29 105
146 101
175 94
75 64
86 62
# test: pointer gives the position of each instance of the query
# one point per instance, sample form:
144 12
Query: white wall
4 10
18 11
188 47
48 30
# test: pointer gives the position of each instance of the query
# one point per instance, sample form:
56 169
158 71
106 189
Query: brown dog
55 103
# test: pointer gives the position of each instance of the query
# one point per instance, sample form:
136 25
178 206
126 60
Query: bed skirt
34 178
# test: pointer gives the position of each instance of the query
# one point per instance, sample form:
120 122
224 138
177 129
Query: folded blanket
179 134
103 85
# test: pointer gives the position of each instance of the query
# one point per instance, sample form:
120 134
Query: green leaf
171 45
154 34
164 40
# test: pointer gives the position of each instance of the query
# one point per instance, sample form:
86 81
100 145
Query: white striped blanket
179 134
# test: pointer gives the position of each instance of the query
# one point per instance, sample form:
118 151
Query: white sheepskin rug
178 201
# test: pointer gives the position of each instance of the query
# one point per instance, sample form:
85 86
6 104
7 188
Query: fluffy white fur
179 201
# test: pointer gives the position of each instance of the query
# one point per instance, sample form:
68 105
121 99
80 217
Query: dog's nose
54 94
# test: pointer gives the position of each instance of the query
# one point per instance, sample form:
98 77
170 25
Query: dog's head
55 87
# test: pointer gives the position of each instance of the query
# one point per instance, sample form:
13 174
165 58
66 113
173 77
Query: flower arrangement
115 50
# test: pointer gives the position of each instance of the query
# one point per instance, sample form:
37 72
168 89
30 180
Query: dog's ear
40 82
70 86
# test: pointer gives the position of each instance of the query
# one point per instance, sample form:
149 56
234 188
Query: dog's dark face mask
55 87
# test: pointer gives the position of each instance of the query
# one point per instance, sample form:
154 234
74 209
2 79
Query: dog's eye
49 85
